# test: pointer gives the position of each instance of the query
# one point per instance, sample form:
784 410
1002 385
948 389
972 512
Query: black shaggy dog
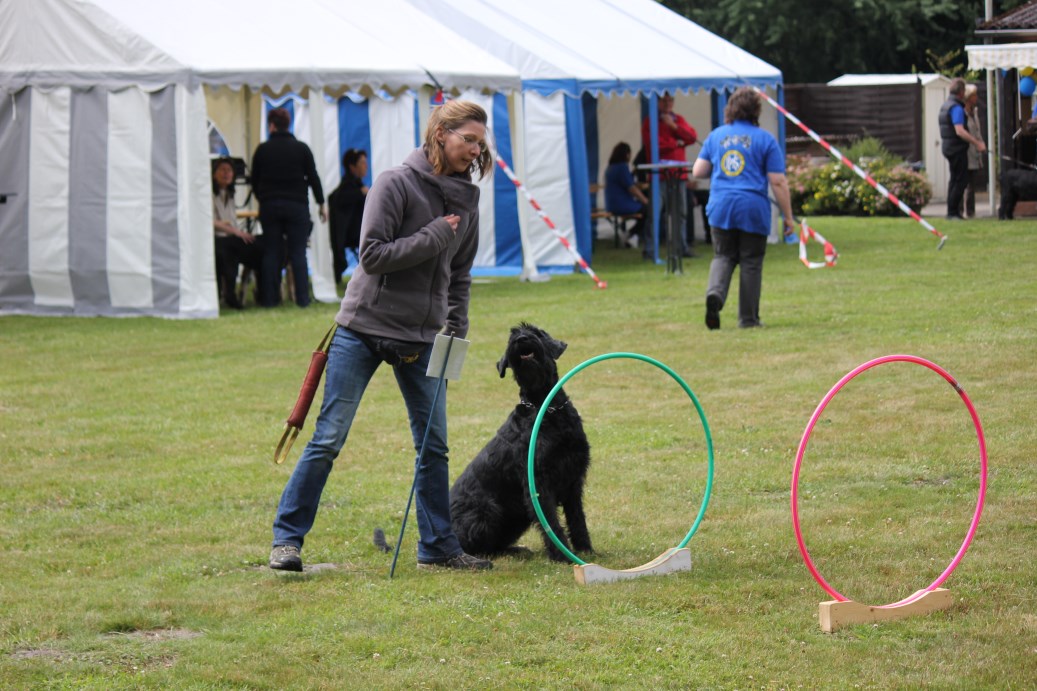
489 503
1016 185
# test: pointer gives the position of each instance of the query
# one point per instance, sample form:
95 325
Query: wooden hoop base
673 559
834 615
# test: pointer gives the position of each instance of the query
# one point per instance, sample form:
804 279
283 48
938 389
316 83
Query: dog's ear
502 365
555 348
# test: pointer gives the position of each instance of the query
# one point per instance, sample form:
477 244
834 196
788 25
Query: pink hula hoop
802 449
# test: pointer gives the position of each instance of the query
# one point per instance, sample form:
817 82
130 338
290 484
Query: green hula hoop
536 430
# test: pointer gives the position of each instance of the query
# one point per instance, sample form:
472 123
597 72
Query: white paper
458 350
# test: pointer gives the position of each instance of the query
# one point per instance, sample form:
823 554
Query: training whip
862 174
310 382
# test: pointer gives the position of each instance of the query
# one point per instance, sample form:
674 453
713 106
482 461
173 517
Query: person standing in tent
977 173
346 209
418 241
741 160
674 135
283 172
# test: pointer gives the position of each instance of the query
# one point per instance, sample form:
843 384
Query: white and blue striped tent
105 187
591 70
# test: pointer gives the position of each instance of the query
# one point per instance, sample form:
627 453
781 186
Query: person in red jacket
674 135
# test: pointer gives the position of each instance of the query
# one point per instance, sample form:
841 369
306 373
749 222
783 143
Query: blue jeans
351 364
286 229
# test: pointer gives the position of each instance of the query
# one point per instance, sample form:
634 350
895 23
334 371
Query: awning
1002 55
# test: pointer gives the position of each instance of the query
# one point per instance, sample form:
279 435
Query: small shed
934 92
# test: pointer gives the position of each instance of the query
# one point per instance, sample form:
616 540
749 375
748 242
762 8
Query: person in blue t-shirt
622 195
741 160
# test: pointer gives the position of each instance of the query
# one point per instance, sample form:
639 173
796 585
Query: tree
818 40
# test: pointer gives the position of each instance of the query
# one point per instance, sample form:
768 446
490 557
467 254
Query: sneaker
713 312
460 562
285 558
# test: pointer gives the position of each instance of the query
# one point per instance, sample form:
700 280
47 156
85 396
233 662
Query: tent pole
518 153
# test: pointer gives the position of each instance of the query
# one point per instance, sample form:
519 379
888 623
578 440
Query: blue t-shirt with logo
742 155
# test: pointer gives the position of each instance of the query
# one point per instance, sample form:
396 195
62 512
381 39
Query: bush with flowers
834 189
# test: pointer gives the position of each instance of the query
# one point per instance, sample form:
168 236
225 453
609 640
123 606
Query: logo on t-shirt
732 163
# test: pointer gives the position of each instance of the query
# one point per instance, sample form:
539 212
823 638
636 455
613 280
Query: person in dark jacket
346 209
954 143
283 172
418 241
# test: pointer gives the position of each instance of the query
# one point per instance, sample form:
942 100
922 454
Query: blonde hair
450 116
970 91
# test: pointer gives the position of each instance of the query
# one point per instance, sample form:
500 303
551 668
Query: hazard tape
806 232
550 224
839 156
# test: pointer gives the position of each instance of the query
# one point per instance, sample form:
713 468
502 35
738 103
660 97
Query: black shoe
285 558
232 301
713 306
460 562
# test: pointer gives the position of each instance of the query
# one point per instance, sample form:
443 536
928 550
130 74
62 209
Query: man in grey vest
955 141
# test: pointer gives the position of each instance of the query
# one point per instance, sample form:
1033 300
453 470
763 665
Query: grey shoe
285 558
461 562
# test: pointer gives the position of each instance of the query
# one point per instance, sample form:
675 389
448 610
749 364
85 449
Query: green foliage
138 488
834 189
813 41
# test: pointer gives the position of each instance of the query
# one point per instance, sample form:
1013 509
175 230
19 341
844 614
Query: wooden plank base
673 559
834 615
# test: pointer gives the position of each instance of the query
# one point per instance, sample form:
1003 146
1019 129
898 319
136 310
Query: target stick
550 224
862 174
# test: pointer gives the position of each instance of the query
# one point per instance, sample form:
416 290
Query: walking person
283 172
741 160
418 241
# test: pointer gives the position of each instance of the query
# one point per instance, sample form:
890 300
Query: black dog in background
490 506
1016 185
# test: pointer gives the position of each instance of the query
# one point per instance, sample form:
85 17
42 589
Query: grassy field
138 488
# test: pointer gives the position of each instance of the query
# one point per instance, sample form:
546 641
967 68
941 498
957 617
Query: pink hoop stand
842 611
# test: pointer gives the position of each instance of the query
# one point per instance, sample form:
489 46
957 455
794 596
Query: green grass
138 488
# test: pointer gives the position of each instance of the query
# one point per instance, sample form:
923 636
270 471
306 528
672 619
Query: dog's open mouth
527 356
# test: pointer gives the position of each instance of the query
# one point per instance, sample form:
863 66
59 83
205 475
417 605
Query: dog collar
550 409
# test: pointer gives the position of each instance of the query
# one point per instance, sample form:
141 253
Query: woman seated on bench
622 195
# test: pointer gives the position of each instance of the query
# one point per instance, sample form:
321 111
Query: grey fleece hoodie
414 276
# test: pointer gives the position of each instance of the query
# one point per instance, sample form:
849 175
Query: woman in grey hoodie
418 239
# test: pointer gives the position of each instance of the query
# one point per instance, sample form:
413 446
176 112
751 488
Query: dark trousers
733 248
286 229
959 163
231 252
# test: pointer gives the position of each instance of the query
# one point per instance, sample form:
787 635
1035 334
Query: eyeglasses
470 141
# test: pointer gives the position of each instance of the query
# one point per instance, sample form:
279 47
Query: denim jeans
351 364
286 230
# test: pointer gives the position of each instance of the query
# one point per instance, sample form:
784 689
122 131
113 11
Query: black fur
1016 185
490 506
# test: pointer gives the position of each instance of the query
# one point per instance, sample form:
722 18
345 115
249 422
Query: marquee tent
103 130
583 63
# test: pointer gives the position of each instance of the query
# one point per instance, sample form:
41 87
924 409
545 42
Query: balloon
1027 86
1026 71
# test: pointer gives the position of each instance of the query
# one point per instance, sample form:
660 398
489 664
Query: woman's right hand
453 220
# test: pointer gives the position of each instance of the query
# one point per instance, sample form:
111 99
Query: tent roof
1002 55
601 46
885 79
308 43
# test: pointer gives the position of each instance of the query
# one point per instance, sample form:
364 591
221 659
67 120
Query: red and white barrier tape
805 232
550 224
839 156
